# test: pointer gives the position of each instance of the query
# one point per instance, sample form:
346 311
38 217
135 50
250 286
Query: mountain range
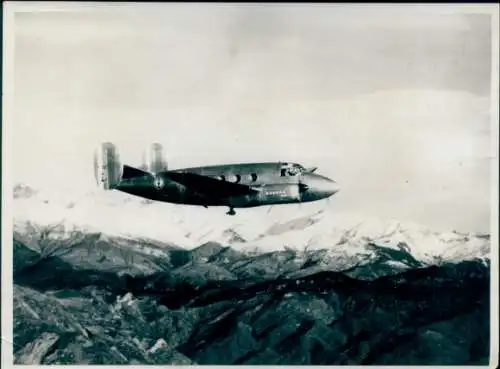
105 278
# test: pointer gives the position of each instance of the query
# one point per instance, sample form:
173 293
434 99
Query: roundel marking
158 183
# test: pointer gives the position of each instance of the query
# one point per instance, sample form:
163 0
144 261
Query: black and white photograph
249 184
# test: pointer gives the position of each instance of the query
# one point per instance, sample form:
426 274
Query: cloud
395 108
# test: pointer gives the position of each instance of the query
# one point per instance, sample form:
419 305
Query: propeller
303 187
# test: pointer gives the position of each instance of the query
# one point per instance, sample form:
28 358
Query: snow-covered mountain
299 227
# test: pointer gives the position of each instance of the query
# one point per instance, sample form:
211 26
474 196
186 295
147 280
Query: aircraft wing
210 186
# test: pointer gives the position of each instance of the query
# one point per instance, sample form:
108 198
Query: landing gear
231 211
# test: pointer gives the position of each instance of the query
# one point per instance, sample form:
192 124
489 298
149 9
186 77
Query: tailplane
107 166
131 172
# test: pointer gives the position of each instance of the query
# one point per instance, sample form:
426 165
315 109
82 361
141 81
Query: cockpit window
291 169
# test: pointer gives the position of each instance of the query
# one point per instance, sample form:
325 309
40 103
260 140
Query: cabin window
253 176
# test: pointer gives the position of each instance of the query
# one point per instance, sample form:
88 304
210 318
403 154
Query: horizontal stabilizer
131 172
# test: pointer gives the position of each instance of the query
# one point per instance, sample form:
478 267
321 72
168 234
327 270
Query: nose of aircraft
318 187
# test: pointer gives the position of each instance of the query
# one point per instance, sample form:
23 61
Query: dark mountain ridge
149 308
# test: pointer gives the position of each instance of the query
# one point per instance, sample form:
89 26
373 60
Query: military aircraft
242 185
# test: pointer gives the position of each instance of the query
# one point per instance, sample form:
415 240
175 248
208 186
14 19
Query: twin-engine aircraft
233 185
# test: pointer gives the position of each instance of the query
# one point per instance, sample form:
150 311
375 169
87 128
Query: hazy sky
394 105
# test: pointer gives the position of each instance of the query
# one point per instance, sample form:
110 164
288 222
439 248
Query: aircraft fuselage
268 184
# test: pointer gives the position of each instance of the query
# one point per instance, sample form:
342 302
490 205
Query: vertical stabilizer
153 159
107 166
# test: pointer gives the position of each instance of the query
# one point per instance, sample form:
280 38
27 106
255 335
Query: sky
393 104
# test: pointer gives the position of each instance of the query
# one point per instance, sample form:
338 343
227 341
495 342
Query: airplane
242 185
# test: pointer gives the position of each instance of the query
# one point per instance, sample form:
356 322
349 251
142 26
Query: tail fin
107 166
153 159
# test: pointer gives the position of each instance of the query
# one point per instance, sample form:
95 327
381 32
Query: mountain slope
100 317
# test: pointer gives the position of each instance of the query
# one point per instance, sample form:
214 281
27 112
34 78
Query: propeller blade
303 187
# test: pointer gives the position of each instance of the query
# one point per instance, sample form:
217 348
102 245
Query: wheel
231 212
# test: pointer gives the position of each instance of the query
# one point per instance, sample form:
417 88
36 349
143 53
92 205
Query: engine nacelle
107 166
153 159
